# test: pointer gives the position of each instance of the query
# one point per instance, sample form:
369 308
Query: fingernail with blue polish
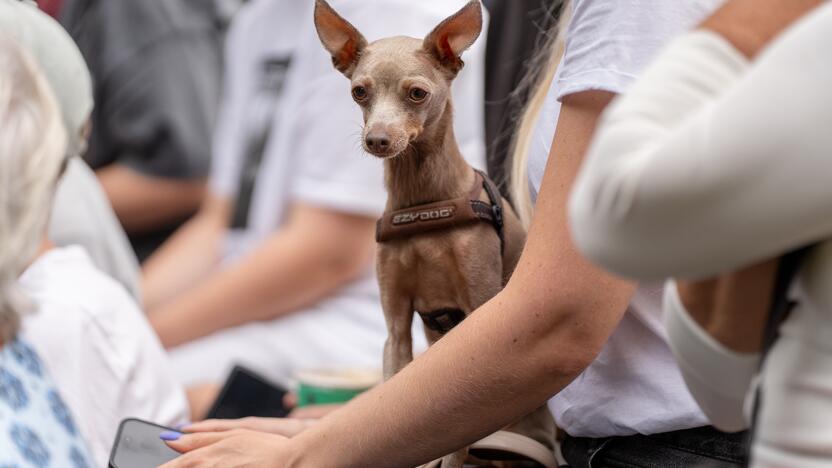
170 435
181 426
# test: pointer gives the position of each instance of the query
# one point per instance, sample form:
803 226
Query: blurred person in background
36 429
276 272
93 338
156 69
82 214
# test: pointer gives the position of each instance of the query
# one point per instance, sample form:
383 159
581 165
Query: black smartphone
138 445
247 394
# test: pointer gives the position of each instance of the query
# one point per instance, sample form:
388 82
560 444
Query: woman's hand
277 426
238 448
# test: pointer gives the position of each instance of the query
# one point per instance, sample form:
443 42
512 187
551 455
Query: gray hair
32 153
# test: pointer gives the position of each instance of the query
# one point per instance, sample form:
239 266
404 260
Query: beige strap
510 443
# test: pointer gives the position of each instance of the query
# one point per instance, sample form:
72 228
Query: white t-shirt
310 155
634 385
105 359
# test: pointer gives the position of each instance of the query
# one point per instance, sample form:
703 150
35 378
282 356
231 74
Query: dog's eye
359 93
418 94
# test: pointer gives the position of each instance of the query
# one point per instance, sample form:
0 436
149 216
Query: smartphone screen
138 446
247 394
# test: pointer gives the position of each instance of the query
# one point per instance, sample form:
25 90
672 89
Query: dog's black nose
378 142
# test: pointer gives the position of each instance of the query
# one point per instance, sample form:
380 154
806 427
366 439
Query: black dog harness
448 214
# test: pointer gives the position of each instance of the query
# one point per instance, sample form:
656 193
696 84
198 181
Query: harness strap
497 208
446 214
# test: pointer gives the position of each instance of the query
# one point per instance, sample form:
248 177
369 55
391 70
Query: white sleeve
686 179
609 44
719 379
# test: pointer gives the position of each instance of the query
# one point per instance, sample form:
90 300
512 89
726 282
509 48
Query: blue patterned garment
36 428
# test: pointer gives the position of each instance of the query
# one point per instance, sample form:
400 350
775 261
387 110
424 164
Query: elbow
565 356
559 332
574 358
564 341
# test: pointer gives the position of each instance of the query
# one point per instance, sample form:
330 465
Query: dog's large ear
339 38
455 35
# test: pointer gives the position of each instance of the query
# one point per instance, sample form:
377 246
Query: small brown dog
448 242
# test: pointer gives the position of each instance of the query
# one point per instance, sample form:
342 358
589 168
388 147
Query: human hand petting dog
236 448
218 442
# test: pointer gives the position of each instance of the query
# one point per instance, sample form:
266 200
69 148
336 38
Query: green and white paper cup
328 387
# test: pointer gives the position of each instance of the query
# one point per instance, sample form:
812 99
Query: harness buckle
497 212
443 320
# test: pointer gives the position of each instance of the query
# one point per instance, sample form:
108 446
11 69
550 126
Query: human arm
679 156
502 362
710 303
145 202
315 252
750 25
189 256
717 348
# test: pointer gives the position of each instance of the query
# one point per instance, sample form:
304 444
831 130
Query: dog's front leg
398 350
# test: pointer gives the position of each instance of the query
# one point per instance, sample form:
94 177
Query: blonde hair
32 153
548 61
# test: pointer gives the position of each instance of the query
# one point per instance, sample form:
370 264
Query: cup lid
352 379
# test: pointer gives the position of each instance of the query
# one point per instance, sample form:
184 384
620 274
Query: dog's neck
430 170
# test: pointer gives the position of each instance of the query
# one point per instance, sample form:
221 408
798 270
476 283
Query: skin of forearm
507 358
144 203
714 305
295 268
188 257
751 24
